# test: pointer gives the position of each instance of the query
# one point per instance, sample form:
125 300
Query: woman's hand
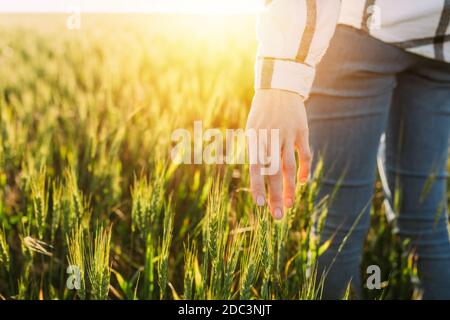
283 110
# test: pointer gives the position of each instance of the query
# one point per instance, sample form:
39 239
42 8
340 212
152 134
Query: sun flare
207 6
138 6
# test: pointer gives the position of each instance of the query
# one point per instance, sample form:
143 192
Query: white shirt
294 35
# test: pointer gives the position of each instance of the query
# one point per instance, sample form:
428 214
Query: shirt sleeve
293 36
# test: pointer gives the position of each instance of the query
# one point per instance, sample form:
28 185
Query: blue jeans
366 88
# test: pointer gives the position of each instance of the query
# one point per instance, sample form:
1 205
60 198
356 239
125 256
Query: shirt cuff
284 75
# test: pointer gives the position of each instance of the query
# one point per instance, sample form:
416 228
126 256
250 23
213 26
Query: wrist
284 75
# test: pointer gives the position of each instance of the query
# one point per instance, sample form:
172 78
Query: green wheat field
86 179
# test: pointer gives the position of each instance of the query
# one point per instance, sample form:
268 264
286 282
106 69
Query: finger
276 195
257 185
274 173
304 154
289 174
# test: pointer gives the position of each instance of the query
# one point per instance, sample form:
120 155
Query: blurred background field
86 180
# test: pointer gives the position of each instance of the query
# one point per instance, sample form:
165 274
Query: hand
277 109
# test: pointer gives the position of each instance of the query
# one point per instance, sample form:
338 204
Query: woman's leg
417 142
348 112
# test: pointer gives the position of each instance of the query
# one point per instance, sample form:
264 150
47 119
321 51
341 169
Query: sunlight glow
208 6
139 6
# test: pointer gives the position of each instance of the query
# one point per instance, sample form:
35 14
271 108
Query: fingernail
260 201
278 214
289 202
